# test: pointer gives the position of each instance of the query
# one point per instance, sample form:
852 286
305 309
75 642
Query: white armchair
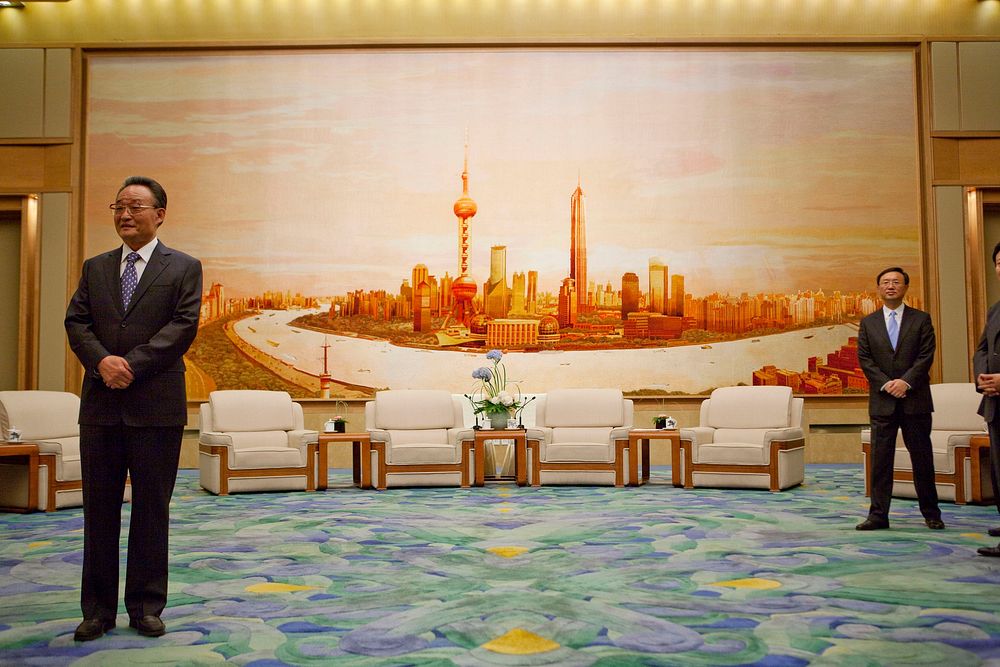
418 438
580 437
748 437
253 440
49 419
959 469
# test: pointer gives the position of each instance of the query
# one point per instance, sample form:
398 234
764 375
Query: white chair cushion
955 406
750 408
754 436
598 434
584 407
422 452
737 453
256 440
251 410
414 409
578 451
437 436
41 415
252 458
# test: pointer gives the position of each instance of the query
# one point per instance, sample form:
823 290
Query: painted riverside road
688 369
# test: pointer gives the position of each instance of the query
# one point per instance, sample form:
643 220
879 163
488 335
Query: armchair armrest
961 439
458 435
620 433
215 438
301 437
866 436
539 433
378 435
783 434
698 435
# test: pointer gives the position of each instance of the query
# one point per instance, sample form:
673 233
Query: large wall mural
662 220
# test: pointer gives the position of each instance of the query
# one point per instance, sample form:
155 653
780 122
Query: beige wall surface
58 30
117 22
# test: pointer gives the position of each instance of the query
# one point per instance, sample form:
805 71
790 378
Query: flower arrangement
491 396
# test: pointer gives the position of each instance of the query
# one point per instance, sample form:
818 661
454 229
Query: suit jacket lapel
112 268
158 261
905 324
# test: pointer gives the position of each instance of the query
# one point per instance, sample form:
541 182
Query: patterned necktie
129 278
893 329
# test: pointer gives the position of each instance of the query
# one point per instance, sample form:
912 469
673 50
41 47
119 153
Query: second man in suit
986 365
896 347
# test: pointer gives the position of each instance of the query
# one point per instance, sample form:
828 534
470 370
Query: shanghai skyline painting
726 211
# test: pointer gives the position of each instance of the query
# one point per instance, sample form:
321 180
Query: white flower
495 400
506 398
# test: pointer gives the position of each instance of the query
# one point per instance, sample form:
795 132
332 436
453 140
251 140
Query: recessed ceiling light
13 4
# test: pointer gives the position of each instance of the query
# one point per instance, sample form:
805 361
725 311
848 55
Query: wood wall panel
22 77
979 69
945 108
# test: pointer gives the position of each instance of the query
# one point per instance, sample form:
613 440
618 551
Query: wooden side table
519 436
28 451
640 437
979 456
361 455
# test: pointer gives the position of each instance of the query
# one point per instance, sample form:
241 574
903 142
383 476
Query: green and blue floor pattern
503 575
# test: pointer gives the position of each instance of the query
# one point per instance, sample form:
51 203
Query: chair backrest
751 408
243 410
955 406
583 408
413 410
40 415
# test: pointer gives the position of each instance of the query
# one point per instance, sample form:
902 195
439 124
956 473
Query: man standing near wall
896 348
986 366
132 318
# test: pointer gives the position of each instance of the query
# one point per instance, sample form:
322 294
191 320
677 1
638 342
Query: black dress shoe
92 628
872 524
989 551
934 524
994 532
148 626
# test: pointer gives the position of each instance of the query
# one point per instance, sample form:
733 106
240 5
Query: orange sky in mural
327 172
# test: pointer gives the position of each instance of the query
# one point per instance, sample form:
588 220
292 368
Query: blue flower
494 355
482 373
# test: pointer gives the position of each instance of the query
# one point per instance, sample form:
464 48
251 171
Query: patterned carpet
509 576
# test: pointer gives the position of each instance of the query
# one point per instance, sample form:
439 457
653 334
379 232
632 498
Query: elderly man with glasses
133 316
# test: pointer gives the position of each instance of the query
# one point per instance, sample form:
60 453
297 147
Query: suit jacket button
124 324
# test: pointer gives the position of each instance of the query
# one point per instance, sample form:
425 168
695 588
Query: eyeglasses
131 208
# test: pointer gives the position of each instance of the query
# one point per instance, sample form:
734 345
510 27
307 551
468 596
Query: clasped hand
116 372
989 383
896 388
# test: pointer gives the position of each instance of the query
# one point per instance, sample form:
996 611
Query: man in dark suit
132 318
896 348
986 366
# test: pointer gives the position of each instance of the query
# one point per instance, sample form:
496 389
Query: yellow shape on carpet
507 552
520 642
752 583
36 545
274 587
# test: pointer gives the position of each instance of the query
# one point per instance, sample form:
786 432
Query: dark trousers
994 427
917 437
149 455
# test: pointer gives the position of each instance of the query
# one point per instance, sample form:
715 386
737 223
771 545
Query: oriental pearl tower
463 289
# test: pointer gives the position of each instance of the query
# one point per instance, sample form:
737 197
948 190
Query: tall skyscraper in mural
630 294
657 299
578 246
463 287
496 294
532 292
